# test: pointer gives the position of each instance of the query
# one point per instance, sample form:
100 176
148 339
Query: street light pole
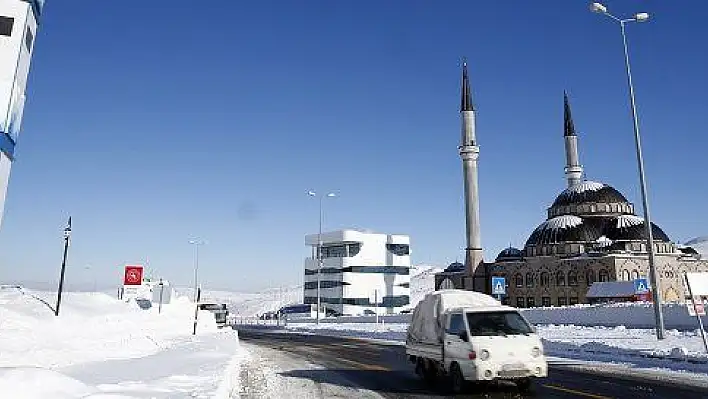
196 244
655 283
67 236
319 252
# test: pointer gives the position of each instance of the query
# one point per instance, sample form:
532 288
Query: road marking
364 365
573 391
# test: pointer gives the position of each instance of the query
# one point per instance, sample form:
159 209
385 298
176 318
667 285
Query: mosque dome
510 254
455 267
565 228
631 228
589 192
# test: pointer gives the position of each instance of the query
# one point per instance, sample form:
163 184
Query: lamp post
655 284
67 236
319 250
196 244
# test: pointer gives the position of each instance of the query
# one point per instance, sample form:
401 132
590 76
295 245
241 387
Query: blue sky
153 122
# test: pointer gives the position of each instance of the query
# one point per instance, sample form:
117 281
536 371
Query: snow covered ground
101 347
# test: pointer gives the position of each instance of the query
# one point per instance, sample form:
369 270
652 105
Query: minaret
469 152
573 169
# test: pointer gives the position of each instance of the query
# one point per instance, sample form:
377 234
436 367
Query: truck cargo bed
432 351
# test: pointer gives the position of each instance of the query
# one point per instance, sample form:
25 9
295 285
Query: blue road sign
498 286
641 286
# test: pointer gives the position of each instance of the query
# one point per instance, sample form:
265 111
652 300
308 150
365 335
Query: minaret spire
573 169
466 101
469 152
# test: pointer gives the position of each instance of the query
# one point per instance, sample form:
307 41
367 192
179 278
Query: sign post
159 306
695 309
498 287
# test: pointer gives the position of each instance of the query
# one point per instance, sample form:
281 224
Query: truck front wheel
457 380
525 385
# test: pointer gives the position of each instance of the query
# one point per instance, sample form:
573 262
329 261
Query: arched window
572 278
560 279
625 275
603 275
529 279
545 279
590 277
519 280
635 274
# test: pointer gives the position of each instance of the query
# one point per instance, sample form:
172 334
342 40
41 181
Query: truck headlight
536 351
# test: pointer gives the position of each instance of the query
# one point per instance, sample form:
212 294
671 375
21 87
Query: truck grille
513 373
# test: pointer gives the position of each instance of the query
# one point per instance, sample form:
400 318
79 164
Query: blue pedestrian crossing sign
498 286
641 286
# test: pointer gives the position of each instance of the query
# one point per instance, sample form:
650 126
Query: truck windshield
497 323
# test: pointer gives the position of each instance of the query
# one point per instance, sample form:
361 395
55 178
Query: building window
573 300
572 278
405 285
635 274
398 249
519 280
334 251
562 301
529 279
29 38
6 24
590 277
560 279
520 302
401 270
353 249
312 285
603 276
546 301
545 279
530 302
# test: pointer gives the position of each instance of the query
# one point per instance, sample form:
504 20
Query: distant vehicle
300 311
219 310
470 336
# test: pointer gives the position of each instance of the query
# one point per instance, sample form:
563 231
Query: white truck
470 336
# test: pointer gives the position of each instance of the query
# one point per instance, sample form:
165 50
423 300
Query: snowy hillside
700 244
243 304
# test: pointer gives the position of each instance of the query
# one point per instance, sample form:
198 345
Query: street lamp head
311 193
331 195
598 8
642 17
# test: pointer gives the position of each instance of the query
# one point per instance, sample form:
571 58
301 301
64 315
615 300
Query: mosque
591 234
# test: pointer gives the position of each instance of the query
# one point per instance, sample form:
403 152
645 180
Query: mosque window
530 302
529 279
603 276
562 301
572 278
6 24
635 274
520 302
546 301
545 279
519 280
560 279
573 300
625 275
590 277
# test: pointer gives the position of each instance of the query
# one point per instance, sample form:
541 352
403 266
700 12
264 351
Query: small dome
688 250
455 267
510 253
589 191
631 228
565 228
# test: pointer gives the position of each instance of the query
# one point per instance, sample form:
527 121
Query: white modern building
18 29
361 272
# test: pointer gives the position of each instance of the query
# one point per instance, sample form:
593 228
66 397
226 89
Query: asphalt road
384 369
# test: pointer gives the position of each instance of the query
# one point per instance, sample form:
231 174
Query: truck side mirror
463 335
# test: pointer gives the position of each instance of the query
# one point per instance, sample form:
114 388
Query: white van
470 336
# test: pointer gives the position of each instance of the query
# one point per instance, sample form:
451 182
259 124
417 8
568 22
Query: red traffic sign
133 275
